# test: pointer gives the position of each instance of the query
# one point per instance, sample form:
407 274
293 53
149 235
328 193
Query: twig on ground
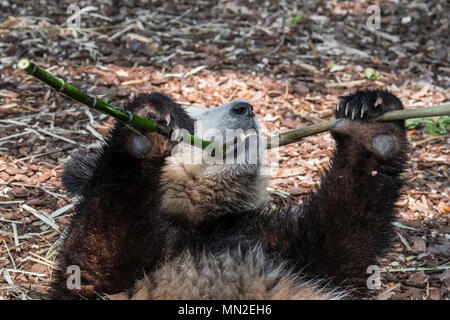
44 218
437 268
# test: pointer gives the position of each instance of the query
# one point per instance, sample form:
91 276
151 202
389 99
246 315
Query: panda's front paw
167 115
385 139
163 111
368 104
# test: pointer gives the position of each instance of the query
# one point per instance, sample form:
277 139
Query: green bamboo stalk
297 134
93 102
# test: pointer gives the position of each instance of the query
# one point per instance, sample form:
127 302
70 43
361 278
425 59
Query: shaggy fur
227 276
191 195
129 224
78 171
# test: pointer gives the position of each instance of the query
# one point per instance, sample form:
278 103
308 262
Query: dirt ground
292 60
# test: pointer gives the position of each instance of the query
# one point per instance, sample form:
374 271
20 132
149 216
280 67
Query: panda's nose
241 109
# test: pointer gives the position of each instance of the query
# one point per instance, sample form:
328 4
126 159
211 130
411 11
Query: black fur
119 231
78 172
115 229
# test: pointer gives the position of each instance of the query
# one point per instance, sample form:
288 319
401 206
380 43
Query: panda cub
150 223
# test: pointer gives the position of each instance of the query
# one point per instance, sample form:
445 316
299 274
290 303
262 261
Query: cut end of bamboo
23 64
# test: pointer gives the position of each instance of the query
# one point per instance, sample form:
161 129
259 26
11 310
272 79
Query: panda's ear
78 172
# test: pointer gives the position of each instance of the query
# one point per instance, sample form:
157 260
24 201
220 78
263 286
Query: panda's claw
365 105
353 113
363 109
378 102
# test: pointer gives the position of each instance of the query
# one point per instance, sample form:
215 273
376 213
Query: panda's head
233 126
199 185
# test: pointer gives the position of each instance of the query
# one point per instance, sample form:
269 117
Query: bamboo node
94 102
33 70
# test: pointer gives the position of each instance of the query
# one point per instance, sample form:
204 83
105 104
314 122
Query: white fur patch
198 191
